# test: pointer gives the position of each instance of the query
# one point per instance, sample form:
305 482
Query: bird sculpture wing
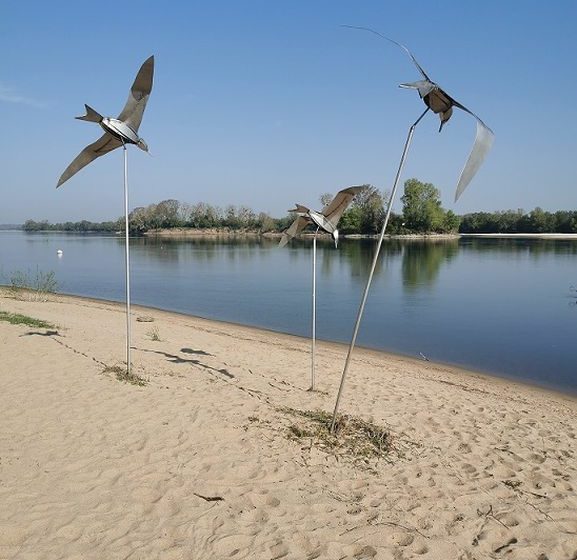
484 137
106 143
138 96
294 229
335 209
424 74
483 142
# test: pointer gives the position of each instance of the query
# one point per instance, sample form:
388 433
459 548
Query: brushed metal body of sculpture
441 103
119 132
327 219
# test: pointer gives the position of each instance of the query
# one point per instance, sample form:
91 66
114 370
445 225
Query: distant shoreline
522 235
219 233
429 236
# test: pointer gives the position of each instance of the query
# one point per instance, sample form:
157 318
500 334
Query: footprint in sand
232 545
359 552
401 538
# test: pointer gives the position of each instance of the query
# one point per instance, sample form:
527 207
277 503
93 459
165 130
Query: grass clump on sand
17 319
154 334
36 286
123 375
355 438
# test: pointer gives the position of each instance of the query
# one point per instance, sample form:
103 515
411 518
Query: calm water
502 306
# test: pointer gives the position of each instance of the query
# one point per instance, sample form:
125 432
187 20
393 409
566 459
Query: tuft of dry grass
38 286
154 334
355 438
122 375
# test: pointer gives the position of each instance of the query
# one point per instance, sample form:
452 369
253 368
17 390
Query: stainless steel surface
127 262
326 220
374 264
441 103
314 313
118 131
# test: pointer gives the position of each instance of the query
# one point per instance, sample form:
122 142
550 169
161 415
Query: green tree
366 213
451 222
422 209
166 214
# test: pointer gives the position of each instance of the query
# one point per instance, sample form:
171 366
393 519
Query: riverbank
211 458
229 233
522 235
215 232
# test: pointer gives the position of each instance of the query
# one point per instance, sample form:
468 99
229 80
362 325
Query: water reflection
519 247
499 305
422 261
167 249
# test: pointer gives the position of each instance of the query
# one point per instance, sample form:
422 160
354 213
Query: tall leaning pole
441 103
119 132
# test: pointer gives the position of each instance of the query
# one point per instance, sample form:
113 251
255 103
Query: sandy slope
94 468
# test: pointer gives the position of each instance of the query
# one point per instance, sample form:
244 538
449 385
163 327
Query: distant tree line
83 227
170 214
516 221
421 213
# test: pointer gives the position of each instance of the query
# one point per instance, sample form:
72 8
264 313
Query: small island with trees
422 214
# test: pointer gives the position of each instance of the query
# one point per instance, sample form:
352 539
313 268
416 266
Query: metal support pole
314 312
127 259
373 266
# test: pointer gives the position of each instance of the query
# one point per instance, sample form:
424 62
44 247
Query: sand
197 464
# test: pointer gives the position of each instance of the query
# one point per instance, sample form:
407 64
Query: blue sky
268 103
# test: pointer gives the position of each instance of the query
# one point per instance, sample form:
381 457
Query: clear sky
265 103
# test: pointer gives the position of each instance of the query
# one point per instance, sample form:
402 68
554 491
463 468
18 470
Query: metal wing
335 209
138 96
424 74
483 142
294 229
424 87
106 143
300 208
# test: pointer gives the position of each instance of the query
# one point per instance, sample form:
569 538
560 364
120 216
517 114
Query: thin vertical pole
314 312
373 266
127 260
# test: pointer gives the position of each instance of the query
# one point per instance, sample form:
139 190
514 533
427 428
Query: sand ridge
197 464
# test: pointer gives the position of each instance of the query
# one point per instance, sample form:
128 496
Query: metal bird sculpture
441 103
120 131
327 219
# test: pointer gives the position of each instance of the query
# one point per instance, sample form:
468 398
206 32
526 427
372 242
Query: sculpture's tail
91 115
335 235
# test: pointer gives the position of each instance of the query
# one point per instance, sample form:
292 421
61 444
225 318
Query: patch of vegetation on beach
36 286
154 334
353 437
17 319
122 374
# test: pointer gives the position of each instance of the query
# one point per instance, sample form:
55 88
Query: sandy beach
210 460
